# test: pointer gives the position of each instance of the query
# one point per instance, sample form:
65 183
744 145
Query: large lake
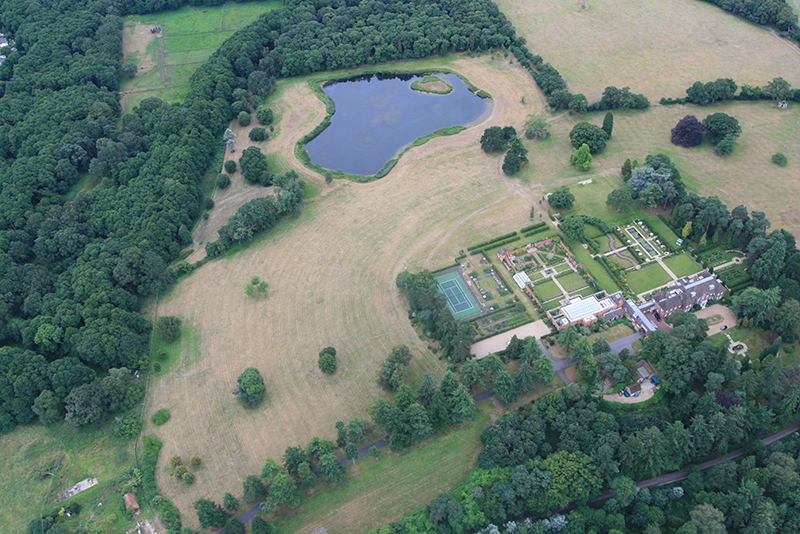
377 116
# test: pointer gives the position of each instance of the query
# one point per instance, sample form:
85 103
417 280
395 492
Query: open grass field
685 41
331 275
682 264
189 36
89 452
735 179
393 485
648 277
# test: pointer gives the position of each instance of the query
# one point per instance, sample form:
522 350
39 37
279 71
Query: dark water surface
377 116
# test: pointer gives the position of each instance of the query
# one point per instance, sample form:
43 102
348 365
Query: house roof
130 501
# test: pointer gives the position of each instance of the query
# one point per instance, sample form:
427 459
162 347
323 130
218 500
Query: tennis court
459 299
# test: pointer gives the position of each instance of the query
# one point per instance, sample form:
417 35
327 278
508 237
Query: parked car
657 316
723 327
654 380
636 394
626 392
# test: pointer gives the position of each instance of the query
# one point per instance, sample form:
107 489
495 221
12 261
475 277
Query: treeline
724 89
429 310
259 214
569 446
775 13
558 96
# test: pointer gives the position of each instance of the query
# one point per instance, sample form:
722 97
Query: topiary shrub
243 118
180 470
780 159
160 417
195 461
230 166
188 478
258 134
223 181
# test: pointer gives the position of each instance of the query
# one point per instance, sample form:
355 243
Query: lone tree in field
780 159
608 124
494 139
254 166
516 156
592 135
718 125
393 370
327 360
250 386
561 198
582 159
688 132
169 328
536 128
230 166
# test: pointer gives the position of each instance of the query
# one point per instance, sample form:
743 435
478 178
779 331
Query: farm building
130 502
689 292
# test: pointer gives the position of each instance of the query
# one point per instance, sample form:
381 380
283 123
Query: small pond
378 115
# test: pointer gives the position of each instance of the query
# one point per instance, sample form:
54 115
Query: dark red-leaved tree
688 132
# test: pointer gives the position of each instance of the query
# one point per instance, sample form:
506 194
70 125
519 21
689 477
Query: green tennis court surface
459 299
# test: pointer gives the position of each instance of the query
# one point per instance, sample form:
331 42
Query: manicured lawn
596 270
619 330
648 277
546 290
571 281
377 493
683 264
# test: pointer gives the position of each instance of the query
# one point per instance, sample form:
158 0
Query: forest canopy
74 263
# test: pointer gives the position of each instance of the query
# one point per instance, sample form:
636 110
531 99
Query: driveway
625 343
729 318
499 342
558 364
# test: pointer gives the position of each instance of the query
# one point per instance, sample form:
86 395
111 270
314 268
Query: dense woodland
568 447
73 272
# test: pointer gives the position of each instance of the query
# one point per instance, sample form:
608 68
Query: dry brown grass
658 48
331 274
331 271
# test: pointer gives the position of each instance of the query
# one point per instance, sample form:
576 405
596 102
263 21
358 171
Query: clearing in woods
188 37
31 451
658 48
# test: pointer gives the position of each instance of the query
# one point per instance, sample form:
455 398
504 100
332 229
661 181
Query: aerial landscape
399 267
